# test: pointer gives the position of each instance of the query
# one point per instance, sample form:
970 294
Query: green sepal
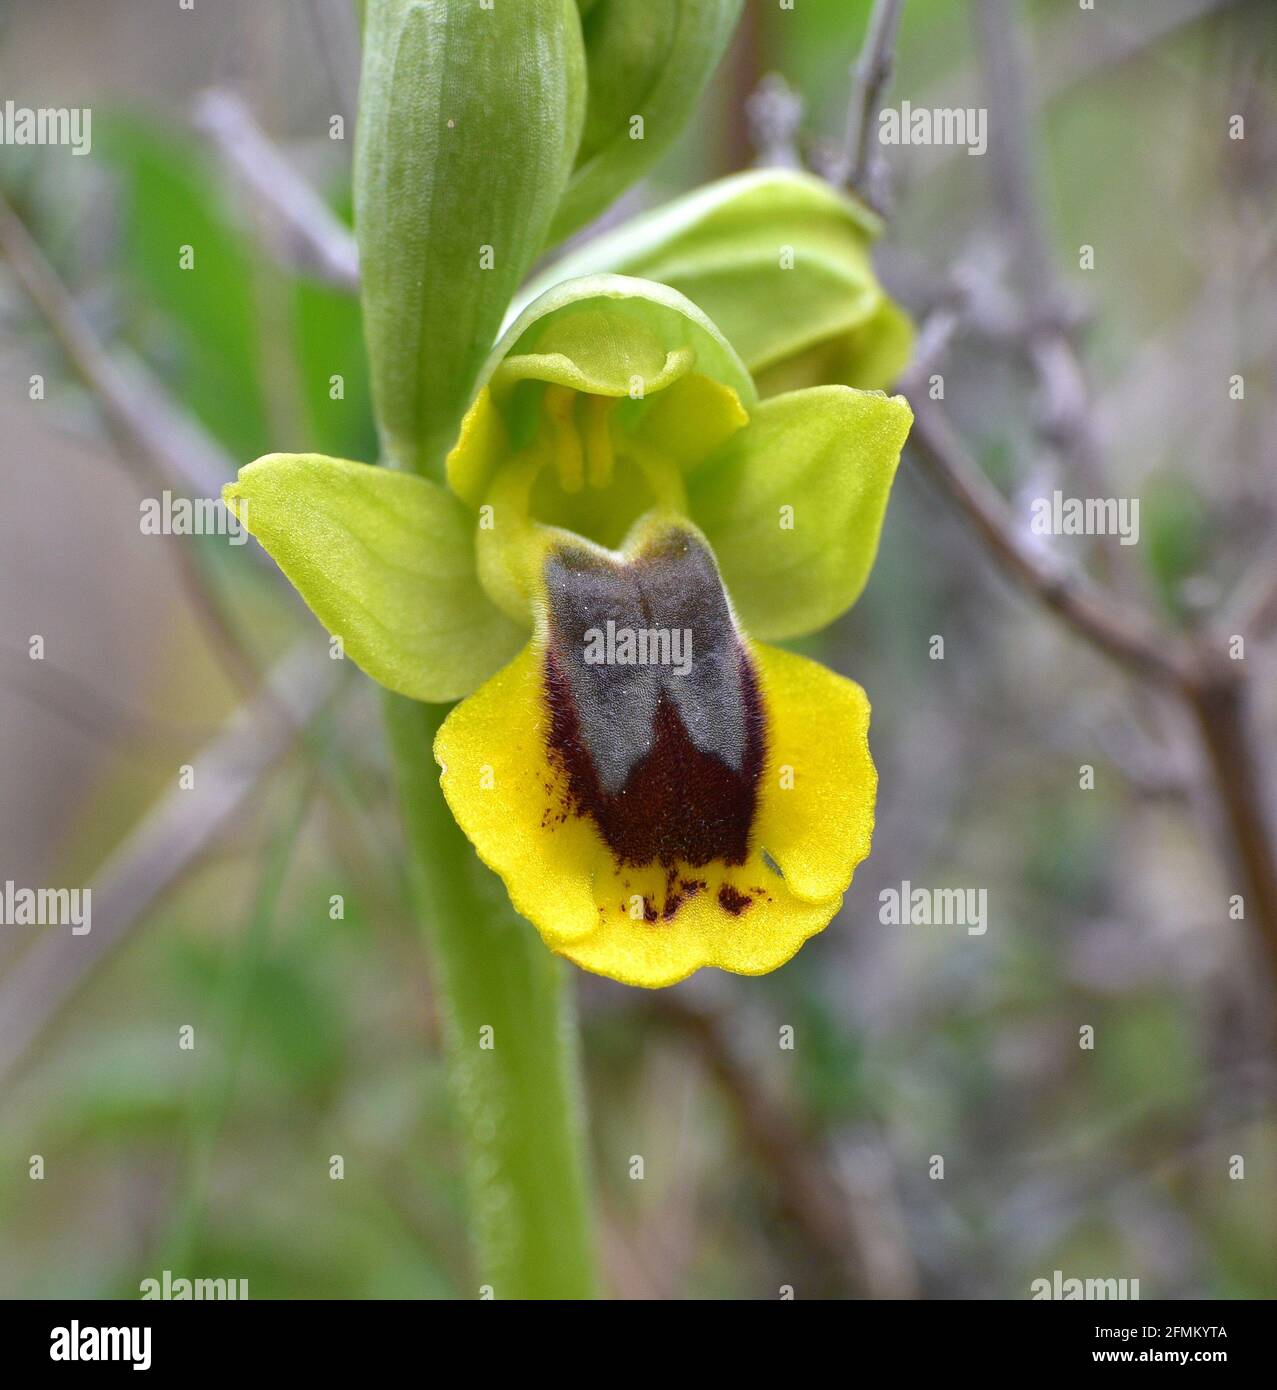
469 122
646 59
793 505
385 560
780 261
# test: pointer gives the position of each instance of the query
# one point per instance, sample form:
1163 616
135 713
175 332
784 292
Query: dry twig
1197 670
303 233
169 839
870 75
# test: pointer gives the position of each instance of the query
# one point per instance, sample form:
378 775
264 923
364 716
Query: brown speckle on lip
733 901
677 892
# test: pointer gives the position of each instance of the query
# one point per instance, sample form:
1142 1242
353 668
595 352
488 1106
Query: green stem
517 1086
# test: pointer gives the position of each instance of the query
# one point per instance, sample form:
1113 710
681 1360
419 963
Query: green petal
606 329
385 560
609 335
793 504
648 59
469 121
780 262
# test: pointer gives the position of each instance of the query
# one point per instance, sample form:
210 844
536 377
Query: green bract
469 123
608 400
780 261
647 62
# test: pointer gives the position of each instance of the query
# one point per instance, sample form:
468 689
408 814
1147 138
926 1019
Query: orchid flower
623 530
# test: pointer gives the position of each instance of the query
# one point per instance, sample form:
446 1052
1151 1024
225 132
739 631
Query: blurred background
265 906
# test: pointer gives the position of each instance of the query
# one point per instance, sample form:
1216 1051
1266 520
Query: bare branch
774 112
1102 620
1064 414
1080 54
1253 612
136 409
870 76
302 229
1005 61
846 1221
1220 703
168 840
153 435
1199 674
1212 688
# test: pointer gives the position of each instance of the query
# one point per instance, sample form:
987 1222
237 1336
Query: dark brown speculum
663 754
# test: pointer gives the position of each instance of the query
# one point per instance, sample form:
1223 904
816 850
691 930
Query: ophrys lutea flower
623 528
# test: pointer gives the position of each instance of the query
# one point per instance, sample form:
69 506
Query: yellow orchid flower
623 528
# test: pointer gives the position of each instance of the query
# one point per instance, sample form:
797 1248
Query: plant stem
517 1087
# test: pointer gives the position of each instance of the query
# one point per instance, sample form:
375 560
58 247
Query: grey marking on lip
672 583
